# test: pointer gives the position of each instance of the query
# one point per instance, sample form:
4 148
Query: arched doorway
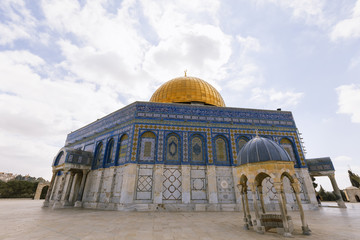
43 192
40 189
357 198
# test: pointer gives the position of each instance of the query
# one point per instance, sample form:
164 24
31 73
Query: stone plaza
25 219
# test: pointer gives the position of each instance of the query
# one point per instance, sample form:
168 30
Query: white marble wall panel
117 184
198 184
225 185
105 189
289 192
92 186
303 193
144 185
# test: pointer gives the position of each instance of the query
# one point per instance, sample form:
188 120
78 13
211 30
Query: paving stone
25 219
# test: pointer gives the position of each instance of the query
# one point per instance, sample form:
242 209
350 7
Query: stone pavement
25 219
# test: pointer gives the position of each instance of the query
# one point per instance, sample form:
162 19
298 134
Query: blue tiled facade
183 121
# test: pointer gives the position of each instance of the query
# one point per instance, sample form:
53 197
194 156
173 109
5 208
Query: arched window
288 146
240 144
123 144
98 155
173 148
221 150
197 153
109 151
60 159
147 147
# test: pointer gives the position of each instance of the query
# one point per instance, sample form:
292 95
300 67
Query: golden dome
188 90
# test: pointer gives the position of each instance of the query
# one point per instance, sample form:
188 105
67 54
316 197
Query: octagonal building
177 152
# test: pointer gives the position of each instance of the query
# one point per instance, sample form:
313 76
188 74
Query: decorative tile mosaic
161 146
221 150
147 149
197 150
185 147
99 155
143 116
173 148
289 149
123 148
172 111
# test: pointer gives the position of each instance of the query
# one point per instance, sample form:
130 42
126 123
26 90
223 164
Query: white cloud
342 159
203 51
311 11
249 43
350 27
188 37
354 62
106 48
249 75
349 101
38 112
18 23
274 98
169 17
92 26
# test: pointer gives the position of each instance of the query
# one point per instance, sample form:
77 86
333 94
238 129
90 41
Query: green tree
18 189
327 196
354 179
314 183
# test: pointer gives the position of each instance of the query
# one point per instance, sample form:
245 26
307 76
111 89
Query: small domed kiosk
258 159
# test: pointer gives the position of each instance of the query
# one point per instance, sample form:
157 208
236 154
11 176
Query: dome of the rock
188 90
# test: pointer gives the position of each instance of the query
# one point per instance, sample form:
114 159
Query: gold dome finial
185 72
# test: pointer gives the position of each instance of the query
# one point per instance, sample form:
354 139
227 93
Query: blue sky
66 63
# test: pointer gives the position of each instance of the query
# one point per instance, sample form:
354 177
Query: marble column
75 187
337 192
68 189
259 228
57 203
282 205
261 196
80 194
246 222
247 207
305 227
51 186
54 186
283 197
